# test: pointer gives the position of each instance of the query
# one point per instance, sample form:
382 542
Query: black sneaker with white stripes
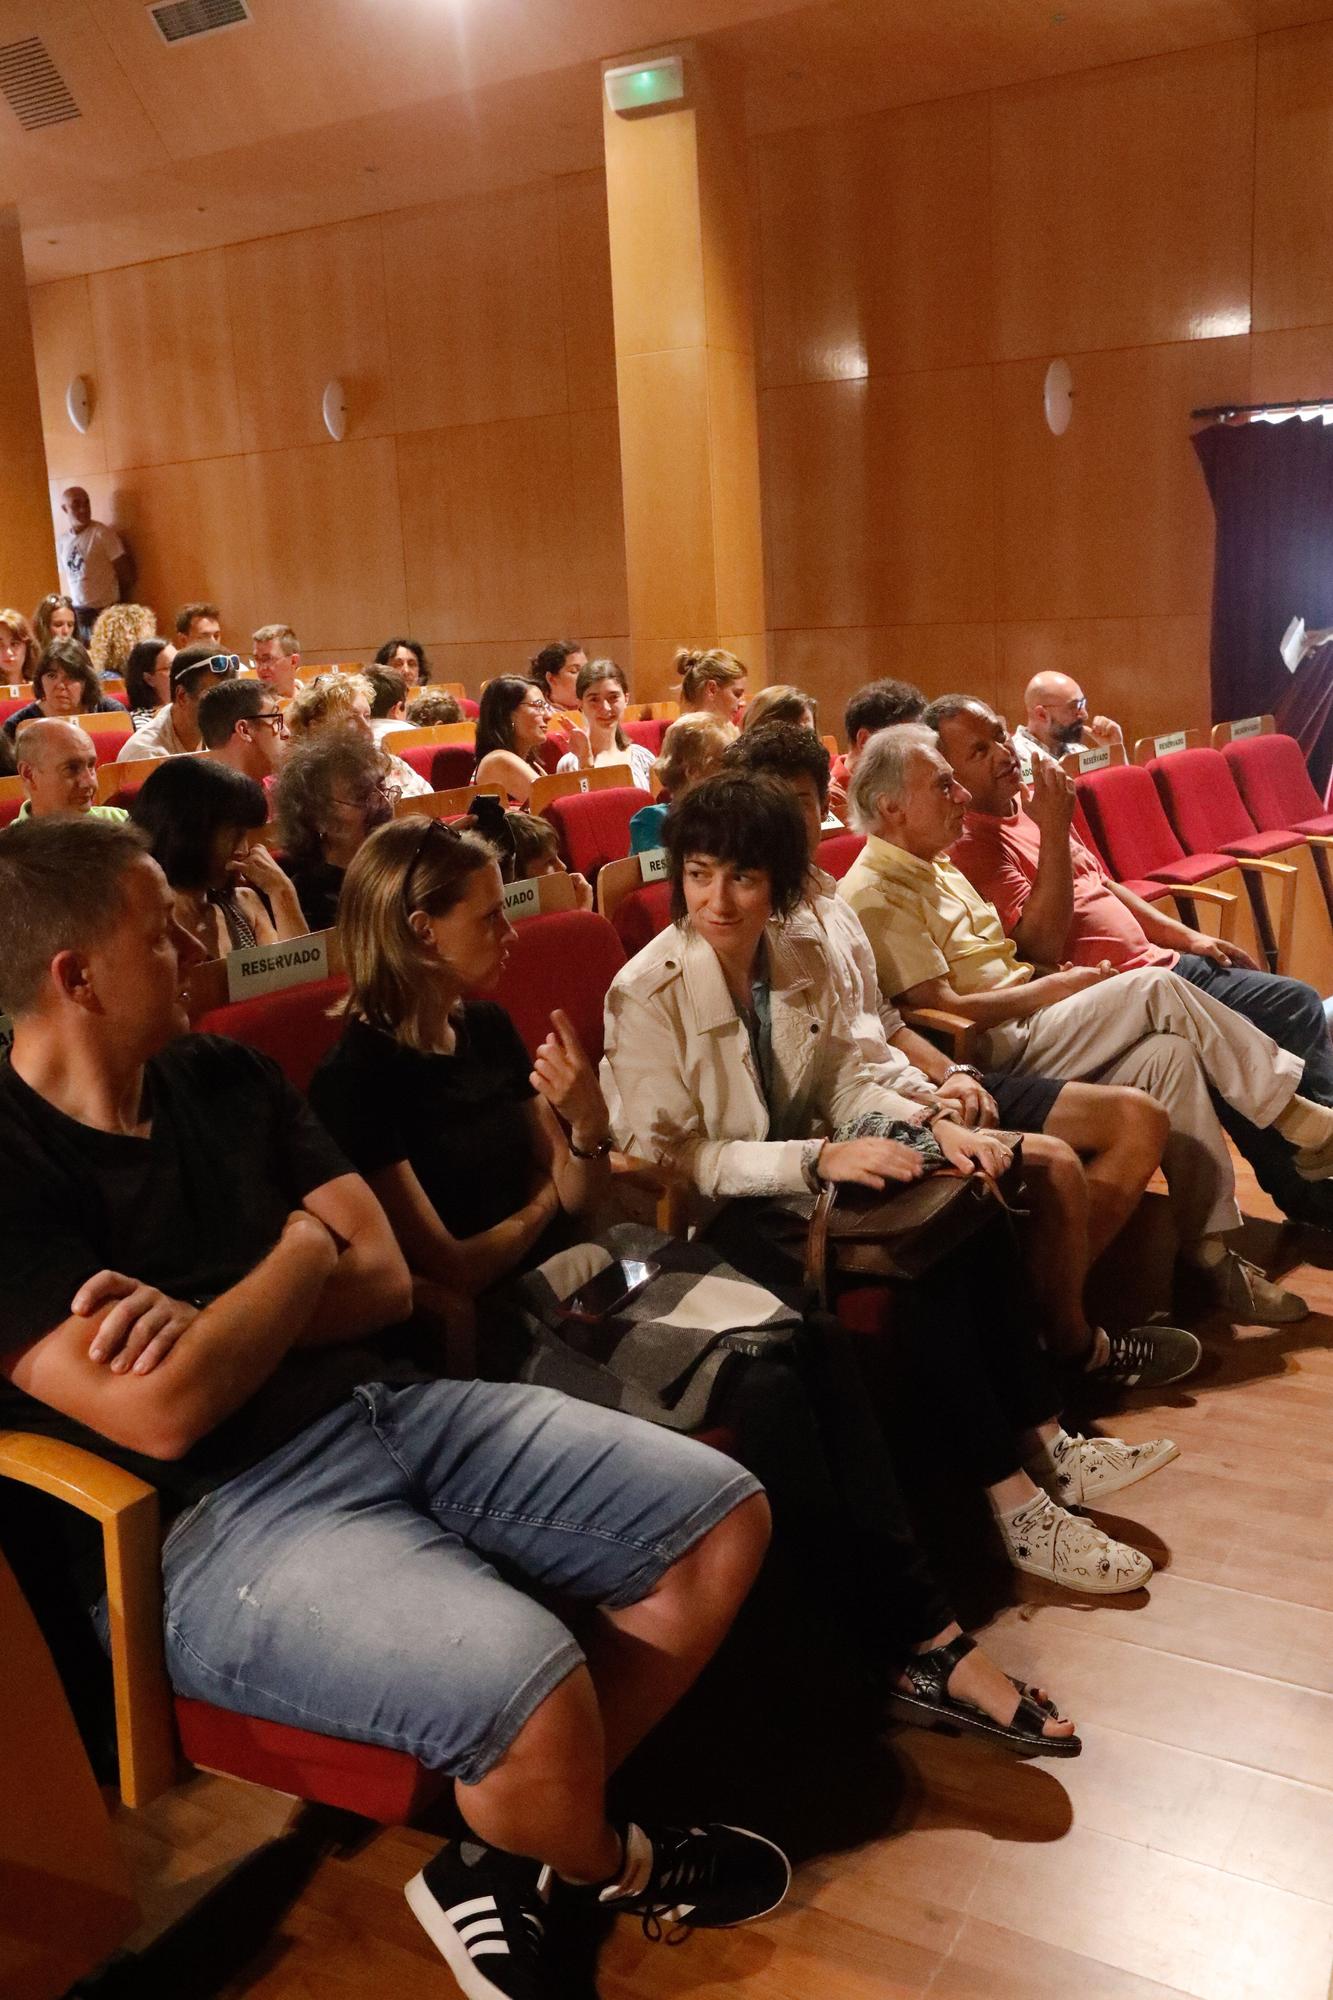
1148 1357
486 1915
700 1877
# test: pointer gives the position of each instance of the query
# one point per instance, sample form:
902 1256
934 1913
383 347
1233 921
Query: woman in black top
331 792
201 820
64 684
430 1091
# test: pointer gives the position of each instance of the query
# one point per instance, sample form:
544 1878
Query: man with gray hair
58 765
938 943
276 652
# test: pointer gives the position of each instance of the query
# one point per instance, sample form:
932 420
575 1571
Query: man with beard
1058 721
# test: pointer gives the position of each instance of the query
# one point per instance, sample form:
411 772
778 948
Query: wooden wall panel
1122 204
875 244
1112 519
585 283
62 334
308 309
1293 213
672 598
164 346
476 327
1292 365
328 547
939 659
488 530
930 522
1151 674
816 503
591 490
190 528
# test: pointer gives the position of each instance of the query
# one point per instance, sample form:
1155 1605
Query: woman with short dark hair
409 657
64 683
148 678
229 892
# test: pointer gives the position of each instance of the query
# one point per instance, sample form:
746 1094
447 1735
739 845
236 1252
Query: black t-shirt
318 885
191 1209
460 1121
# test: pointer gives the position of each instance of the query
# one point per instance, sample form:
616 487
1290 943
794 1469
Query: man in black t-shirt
195 1285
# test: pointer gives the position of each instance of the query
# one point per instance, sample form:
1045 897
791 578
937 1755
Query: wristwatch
963 1069
593 1153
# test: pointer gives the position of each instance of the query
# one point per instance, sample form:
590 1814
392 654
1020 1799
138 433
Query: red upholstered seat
450 764
10 810
641 915
470 708
1205 808
295 1026
1083 828
421 756
108 743
648 732
551 750
1133 834
837 853
10 704
364 1778
1272 778
594 826
565 959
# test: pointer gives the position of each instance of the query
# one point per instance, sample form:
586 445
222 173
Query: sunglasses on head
432 827
219 663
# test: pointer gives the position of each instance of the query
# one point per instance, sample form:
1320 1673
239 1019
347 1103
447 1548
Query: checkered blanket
662 1354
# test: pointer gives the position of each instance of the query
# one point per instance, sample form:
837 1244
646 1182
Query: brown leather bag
859 1232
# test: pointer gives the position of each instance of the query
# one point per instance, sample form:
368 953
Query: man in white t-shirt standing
96 569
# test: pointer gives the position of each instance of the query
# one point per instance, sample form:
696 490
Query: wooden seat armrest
955 1031
1283 874
1221 899
671 1191
1318 839
126 1510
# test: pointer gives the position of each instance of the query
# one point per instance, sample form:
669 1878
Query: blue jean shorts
373 1579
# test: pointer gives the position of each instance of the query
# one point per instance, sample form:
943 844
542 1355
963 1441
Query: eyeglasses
220 663
273 715
432 826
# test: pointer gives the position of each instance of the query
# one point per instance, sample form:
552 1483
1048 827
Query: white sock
636 1867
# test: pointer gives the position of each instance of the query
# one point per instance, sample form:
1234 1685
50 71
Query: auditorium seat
594 826
421 757
837 852
567 960
10 704
1208 814
641 915
450 765
294 1026
1273 779
649 732
1139 847
10 808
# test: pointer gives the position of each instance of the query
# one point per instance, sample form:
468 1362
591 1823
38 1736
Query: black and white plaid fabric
661 1355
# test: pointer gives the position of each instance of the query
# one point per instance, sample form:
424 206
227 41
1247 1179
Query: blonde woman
345 701
116 633
712 682
692 749
782 704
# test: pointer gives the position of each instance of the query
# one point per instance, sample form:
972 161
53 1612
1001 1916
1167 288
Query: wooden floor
1189 1850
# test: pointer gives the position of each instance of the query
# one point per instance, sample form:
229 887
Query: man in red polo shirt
1060 906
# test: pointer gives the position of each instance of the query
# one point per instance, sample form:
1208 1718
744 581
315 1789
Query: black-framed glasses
273 715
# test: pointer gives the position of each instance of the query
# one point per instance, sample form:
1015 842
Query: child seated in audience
200 821
380 1550
511 729
332 791
692 749
602 692
484 1160
536 847
424 711
388 700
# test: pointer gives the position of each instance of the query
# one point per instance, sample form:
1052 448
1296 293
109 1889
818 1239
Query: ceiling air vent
180 20
36 92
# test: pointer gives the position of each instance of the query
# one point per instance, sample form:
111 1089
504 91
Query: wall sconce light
79 403
335 411
1058 397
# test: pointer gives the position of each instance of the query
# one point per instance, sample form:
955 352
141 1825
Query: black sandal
928 1701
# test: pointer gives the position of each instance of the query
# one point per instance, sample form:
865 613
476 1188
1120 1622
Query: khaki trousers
1154 1031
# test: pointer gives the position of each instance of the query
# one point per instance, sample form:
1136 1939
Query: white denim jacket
680 1079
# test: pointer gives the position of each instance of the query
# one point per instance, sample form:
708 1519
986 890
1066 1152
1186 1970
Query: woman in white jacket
729 1060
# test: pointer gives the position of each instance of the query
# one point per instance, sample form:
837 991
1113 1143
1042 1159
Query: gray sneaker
1147 1357
1248 1297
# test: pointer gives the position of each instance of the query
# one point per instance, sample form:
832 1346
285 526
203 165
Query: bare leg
644 1656
1055 1240
546 1798
1119 1133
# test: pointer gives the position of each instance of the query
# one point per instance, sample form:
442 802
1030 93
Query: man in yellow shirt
938 943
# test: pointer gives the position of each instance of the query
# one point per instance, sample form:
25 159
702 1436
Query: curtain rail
1219 411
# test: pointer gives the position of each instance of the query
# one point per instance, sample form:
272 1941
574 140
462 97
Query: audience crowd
446 1511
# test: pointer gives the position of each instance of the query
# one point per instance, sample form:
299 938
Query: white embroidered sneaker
1064 1548
1080 1471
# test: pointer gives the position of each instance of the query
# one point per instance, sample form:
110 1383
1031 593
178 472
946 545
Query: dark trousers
1293 1014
